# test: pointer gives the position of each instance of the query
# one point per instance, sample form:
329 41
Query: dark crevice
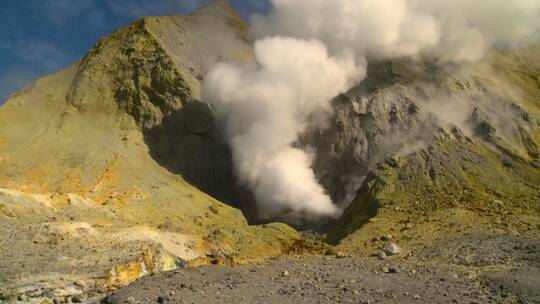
189 143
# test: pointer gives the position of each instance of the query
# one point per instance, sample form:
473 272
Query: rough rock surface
453 145
405 106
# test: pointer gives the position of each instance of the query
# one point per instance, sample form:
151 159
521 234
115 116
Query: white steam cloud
266 107
308 52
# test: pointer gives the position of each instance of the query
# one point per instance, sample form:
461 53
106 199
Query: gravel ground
472 269
487 250
307 280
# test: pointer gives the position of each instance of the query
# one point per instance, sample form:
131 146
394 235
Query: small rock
78 299
391 248
23 298
130 300
331 251
416 297
214 209
389 269
356 292
172 293
163 299
285 273
340 255
181 264
381 255
386 237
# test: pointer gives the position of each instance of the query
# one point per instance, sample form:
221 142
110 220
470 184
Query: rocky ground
476 269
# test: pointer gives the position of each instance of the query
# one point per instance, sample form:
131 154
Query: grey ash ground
505 271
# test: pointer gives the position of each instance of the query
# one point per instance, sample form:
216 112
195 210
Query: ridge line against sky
38 37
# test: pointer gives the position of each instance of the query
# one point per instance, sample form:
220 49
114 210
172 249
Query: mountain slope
81 197
438 152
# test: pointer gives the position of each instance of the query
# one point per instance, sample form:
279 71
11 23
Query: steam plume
308 52
266 106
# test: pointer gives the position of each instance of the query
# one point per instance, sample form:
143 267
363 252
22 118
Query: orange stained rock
109 178
37 180
123 275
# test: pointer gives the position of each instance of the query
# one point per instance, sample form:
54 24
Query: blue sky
39 37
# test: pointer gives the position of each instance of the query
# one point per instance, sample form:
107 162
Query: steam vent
352 151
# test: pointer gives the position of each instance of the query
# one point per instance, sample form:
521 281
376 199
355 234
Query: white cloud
139 8
40 54
58 12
